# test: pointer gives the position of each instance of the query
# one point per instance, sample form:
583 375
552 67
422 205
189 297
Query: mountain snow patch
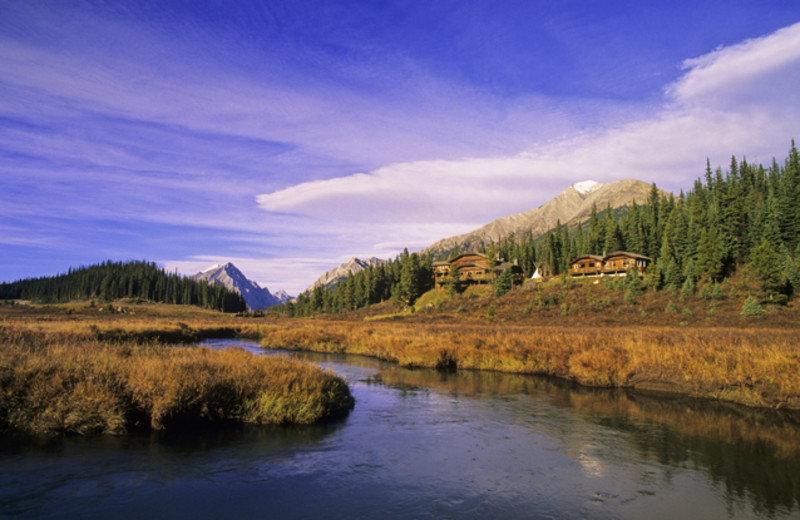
586 187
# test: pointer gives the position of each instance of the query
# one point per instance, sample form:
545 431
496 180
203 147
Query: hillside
572 205
113 280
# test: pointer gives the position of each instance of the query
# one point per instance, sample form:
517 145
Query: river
423 444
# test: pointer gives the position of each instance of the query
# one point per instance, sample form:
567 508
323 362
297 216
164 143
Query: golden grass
755 367
60 380
600 341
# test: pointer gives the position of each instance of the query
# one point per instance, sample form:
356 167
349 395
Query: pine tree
765 266
453 281
504 282
409 291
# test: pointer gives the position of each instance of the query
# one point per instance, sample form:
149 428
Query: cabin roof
599 258
587 257
462 255
628 254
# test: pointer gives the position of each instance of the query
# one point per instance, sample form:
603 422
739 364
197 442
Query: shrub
633 283
751 307
671 308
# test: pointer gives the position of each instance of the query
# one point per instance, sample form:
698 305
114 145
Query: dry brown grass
58 377
755 367
600 341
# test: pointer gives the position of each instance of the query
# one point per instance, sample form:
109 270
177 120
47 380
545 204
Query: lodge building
617 263
474 268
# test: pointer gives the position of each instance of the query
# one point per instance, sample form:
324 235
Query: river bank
753 367
422 443
752 363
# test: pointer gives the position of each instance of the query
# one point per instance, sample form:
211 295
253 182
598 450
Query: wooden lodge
474 268
617 263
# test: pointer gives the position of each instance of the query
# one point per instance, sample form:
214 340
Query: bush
633 283
671 308
751 307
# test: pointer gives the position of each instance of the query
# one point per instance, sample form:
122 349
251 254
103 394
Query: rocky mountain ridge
256 297
333 277
571 206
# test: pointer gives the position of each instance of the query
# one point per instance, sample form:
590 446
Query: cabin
474 268
615 264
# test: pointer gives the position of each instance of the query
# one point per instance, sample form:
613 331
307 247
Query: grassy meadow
81 367
77 370
594 332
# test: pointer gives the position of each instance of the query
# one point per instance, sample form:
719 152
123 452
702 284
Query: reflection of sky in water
418 444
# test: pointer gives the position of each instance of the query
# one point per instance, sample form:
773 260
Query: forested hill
748 216
745 219
112 280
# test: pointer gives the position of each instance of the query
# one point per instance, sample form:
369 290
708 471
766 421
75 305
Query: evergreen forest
745 219
113 280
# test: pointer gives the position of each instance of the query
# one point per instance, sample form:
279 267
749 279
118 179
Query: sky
289 136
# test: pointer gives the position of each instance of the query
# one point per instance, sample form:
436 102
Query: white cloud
720 107
745 70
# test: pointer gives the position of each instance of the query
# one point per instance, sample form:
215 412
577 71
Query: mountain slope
332 278
231 277
570 206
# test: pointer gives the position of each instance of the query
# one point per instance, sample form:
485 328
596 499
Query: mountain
232 278
283 296
332 278
571 206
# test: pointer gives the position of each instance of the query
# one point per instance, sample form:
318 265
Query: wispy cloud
710 111
760 71
306 135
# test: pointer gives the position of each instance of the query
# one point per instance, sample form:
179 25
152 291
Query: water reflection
753 454
420 443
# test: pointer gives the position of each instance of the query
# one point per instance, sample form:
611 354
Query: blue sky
288 136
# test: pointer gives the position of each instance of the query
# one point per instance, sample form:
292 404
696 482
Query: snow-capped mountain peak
586 187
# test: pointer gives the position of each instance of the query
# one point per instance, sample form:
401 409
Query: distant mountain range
257 298
333 277
571 206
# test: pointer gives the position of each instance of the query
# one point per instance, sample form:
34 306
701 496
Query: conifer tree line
746 218
109 281
403 279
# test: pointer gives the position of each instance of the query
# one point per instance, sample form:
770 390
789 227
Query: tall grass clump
61 384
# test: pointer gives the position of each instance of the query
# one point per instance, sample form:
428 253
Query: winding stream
421 444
